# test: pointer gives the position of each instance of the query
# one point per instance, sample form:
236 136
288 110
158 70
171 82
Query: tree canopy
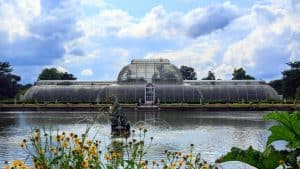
188 73
289 85
9 86
210 76
291 79
240 74
54 74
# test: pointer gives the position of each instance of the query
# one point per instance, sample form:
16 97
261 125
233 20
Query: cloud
32 36
203 21
197 22
268 46
77 35
87 72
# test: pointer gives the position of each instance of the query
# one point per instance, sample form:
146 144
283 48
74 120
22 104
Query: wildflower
54 151
85 164
281 162
17 163
6 167
107 156
89 142
65 144
37 135
153 162
72 134
206 166
22 144
180 162
41 151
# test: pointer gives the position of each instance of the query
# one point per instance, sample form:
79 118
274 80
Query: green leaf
283 118
280 133
271 158
296 125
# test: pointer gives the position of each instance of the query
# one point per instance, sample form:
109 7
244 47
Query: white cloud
197 22
104 23
15 16
86 72
270 44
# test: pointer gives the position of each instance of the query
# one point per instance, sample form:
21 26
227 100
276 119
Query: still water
212 133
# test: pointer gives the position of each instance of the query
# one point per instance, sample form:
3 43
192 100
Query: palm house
149 80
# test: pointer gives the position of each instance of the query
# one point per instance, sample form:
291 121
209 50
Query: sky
94 39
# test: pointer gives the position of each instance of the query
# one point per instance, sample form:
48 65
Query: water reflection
212 133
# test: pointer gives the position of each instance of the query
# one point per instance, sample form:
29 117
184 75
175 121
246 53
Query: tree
240 74
54 74
291 79
9 86
277 85
188 73
210 76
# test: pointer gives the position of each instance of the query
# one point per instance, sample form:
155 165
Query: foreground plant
288 130
49 150
190 160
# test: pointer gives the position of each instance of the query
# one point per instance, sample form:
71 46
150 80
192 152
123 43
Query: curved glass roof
142 71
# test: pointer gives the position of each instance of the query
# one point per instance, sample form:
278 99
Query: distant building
148 80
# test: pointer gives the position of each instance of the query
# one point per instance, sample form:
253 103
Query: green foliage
9 86
269 159
210 76
54 74
288 128
290 81
188 73
277 85
240 74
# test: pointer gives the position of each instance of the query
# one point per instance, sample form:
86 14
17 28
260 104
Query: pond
212 133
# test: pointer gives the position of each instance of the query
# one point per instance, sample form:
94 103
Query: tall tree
188 73
291 79
9 86
210 76
277 85
54 74
240 74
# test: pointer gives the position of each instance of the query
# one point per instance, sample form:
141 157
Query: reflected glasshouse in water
150 80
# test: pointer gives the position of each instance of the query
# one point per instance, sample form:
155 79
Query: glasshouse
149 81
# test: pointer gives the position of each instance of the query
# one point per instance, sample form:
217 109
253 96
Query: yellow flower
65 144
206 166
54 151
89 142
281 161
22 144
41 151
37 135
107 156
85 164
17 163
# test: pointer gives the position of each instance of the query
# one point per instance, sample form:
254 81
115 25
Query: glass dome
142 71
